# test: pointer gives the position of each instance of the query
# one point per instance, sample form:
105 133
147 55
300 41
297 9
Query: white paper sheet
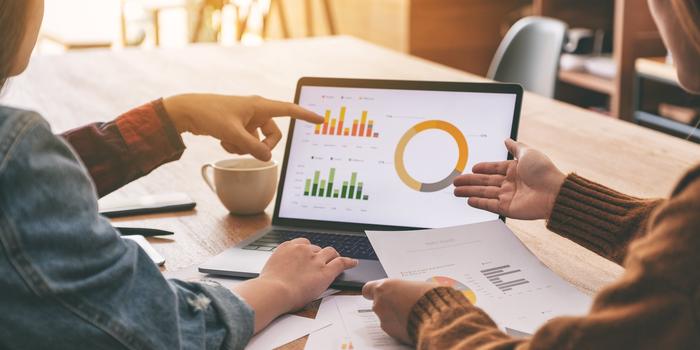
283 330
489 264
354 326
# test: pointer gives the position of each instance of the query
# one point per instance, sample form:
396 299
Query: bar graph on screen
336 126
327 188
504 277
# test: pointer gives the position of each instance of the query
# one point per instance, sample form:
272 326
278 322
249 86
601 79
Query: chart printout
489 265
389 157
354 326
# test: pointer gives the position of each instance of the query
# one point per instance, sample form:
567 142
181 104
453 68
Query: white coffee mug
245 185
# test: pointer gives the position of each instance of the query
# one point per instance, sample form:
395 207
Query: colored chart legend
317 187
336 126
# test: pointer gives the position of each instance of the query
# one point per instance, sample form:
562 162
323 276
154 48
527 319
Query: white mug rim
270 164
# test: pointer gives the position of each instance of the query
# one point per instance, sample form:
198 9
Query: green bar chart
326 187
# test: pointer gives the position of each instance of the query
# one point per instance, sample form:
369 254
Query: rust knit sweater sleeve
598 218
654 305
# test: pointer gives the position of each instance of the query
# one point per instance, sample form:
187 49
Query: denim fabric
68 281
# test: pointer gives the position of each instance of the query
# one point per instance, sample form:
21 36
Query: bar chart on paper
327 188
504 277
362 127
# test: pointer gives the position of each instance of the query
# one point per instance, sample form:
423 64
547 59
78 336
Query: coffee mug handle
205 176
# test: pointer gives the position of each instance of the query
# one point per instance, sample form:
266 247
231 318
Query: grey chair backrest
529 55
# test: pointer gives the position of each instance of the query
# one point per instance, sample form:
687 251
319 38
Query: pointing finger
274 108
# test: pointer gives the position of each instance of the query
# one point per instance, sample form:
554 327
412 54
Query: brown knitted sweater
654 305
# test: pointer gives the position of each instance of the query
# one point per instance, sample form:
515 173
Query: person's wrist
555 181
282 291
177 110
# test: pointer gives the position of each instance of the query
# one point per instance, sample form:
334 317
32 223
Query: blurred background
598 70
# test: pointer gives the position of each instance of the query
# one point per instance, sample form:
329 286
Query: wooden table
79 88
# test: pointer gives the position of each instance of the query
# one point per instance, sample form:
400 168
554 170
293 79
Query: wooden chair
529 55
275 5
155 7
330 19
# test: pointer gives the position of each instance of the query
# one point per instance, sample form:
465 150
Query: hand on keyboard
304 269
352 246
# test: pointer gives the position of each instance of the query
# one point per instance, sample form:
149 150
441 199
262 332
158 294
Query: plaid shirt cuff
150 136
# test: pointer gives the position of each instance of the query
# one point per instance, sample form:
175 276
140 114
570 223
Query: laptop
384 159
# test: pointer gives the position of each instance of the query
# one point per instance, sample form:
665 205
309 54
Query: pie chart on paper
449 282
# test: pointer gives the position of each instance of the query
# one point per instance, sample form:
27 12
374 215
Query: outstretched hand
235 120
524 188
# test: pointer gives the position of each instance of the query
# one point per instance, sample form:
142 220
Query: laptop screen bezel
501 88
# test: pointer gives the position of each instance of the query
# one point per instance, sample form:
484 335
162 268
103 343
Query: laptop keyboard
357 247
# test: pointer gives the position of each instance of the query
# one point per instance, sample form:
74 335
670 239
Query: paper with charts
490 265
354 326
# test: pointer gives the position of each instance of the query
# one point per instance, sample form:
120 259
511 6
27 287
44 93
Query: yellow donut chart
413 131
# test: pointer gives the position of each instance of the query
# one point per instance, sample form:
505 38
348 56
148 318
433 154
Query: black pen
146 232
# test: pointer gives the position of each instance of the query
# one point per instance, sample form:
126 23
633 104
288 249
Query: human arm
131 146
127 148
653 305
76 284
598 218
531 187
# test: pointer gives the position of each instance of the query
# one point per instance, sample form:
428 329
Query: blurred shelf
667 125
78 43
634 34
588 81
657 68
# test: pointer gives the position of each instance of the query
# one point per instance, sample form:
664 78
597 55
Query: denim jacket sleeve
67 280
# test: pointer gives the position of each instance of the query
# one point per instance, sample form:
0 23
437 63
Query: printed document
489 265
355 326
283 330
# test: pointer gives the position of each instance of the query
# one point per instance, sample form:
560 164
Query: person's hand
236 121
393 301
524 188
294 275
306 270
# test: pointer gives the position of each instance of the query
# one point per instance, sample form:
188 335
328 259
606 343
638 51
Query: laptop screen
388 156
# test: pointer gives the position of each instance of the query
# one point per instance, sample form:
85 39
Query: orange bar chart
361 127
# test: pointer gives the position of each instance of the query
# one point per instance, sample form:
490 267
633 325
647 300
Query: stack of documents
485 261
489 265
353 326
